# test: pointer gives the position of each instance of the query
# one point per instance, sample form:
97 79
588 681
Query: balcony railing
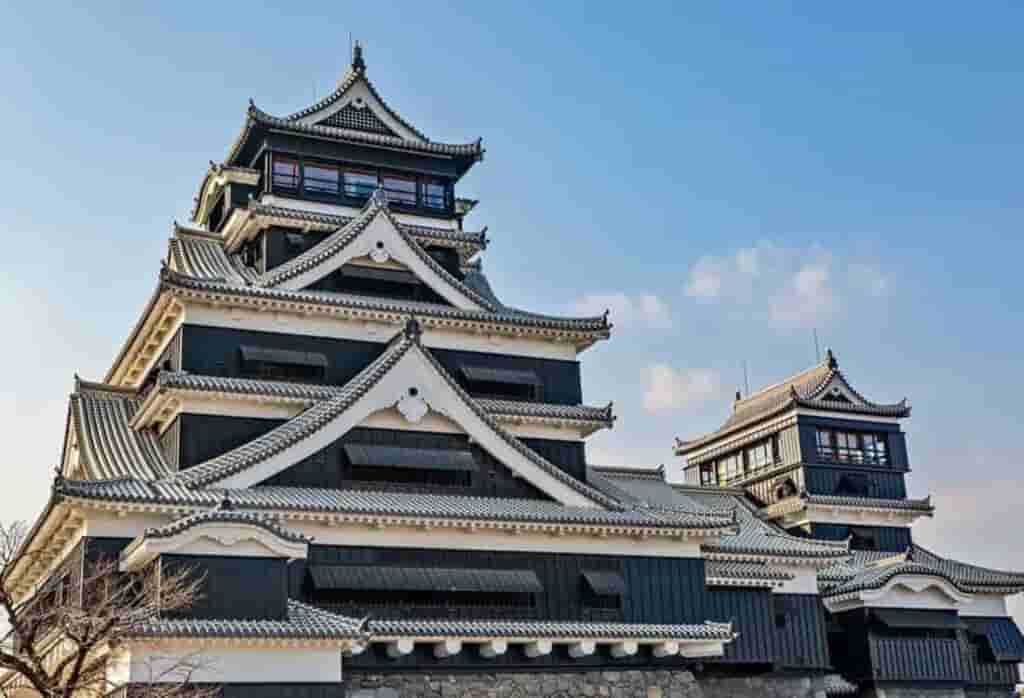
853 456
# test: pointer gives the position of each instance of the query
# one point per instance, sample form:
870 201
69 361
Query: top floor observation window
761 455
859 448
353 185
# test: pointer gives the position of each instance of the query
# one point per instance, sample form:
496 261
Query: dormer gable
356 105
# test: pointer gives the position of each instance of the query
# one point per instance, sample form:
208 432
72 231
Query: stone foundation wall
594 684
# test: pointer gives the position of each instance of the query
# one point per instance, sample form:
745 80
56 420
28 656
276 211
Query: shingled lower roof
304 622
755 537
873 570
306 393
357 504
441 628
100 418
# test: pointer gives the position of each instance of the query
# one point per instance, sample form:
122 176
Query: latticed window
435 195
730 467
285 173
321 179
843 446
359 184
400 190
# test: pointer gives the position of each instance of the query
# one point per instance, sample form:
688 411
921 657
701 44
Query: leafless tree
58 639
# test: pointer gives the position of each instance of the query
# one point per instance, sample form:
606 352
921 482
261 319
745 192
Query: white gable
381 243
415 388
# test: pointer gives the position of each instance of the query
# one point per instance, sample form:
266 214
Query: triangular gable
376 235
356 105
407 377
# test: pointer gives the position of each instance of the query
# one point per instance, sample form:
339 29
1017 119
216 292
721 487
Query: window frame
850 446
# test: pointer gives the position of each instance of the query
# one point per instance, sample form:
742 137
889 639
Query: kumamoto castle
380 470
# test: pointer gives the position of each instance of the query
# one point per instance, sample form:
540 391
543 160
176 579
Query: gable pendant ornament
379 253
412 406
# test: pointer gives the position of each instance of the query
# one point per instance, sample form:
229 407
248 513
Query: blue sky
725 181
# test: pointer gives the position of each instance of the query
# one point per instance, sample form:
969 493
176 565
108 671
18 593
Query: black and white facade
380 469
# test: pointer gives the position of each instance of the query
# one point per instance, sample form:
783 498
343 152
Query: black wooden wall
235 587
215 351
660 590
204 436
327 468
821 479
201 437
894 539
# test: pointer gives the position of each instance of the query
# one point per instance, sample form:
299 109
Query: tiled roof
872 570
306 392
355 74
473 241
109 447
221 515
801 501
755 537
257 117
303 623
344 236
214 170
550 629
747 573
186 283
308 500
805 389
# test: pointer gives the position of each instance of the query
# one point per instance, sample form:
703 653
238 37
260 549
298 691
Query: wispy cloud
643 310
671 389
793 287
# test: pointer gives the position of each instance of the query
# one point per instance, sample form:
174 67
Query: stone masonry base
595 684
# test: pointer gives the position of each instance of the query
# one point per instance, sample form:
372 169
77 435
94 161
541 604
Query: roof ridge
762 392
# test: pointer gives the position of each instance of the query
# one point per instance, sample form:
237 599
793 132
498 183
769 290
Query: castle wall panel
215 351
896 539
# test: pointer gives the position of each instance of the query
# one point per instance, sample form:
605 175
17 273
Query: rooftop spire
358 64
830 358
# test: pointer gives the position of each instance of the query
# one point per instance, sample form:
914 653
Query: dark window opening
283 365
216 215
707 475
391 474
839 446
602 589
503 384
785 489
783 609
861 539
853 485
285 173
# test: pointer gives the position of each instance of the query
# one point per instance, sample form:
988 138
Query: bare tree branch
59 638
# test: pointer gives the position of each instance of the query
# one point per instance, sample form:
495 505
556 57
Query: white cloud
808 299
669 389
793 287
644 310
869 279
712 277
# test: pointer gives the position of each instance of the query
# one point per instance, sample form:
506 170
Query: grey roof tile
174 280
109 447
357 502
309 392
474 241
872 570
222 515
550 629
805 389
303 622
754 536
715 570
